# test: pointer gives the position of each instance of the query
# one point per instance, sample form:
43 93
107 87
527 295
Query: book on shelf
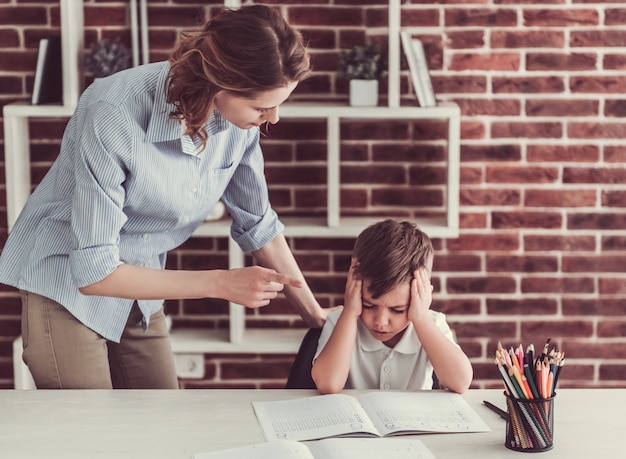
418 68
48 82
371 414
330 448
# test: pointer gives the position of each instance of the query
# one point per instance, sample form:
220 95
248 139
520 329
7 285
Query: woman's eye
398 311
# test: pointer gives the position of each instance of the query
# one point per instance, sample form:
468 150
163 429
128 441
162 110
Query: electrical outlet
189 365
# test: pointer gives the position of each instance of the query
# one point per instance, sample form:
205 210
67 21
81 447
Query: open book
372 414
330 448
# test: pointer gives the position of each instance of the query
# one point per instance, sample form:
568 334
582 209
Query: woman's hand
421 295
255 286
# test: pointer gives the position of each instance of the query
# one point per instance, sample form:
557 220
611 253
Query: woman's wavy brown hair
245 51
389 252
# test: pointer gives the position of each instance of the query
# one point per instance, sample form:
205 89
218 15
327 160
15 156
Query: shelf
334 225
317 227
255 341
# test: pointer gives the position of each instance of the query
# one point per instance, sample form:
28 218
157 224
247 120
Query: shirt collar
161 127
408 344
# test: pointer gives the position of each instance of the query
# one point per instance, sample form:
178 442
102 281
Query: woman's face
248 113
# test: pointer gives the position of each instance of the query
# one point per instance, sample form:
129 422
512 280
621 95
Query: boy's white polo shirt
376 366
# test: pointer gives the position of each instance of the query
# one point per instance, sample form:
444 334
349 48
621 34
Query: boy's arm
331 368
450 363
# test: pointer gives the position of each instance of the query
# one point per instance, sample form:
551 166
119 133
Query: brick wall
542 247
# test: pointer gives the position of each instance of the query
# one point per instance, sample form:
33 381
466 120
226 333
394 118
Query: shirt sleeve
442 325
103 139
255 223
327 331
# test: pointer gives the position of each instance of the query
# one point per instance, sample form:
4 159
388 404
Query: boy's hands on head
353 301
421 295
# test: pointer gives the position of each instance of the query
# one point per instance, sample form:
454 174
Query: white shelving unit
18 181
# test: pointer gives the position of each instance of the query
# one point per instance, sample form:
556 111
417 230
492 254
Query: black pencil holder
530 427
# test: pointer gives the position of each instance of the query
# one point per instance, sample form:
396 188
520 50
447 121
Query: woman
147 154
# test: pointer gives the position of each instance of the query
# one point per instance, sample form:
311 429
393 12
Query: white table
153 424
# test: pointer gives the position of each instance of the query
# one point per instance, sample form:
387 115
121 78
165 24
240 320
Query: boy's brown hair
388 253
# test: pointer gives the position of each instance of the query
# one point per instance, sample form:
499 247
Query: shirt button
146 237
387 369
195 189
185 219
386 386
386 352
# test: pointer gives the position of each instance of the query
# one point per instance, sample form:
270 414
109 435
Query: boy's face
386 317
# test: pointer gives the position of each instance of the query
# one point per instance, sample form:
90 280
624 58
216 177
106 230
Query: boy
386 336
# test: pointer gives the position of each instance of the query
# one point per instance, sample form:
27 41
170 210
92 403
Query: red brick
484 242
326 16
484 153
413 152
489 197
521 306
611 329
523 219
527 39
471 175
528 85
480 17
465 39
615 16
472 130
612 372
545 243
593 307
612 61
615 198
526 130
365 130
560 17
593 175
597 130
597 221
530 174
450 306
420 18
613 243
564 328
614 154
559 198
480 285
460 84
365 174
495 61
589 350
524 264
481 328
557 285
597 38
563 153
595 264
406 197
9 38
615 108
612 286
598 84
559 107
105 16
310 198
473 220
561 61
296 175
23 15
497 107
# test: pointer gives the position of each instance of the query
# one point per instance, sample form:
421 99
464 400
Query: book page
270 450
420 412
312 418
369 448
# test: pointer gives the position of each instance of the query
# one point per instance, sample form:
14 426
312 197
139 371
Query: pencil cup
530 427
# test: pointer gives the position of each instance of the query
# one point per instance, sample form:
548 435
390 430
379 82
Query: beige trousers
62 353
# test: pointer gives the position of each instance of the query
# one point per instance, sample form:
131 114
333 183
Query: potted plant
362 65
105 57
